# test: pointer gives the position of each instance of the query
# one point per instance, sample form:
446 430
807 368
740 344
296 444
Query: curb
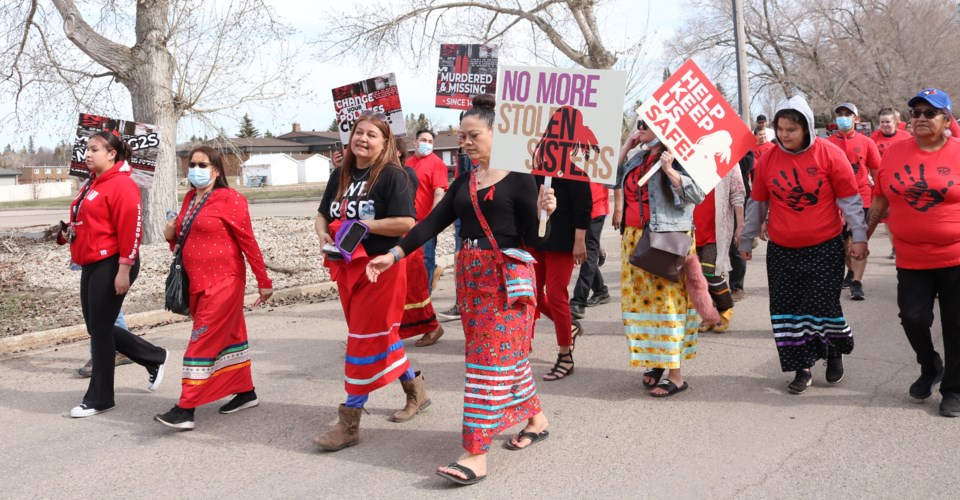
149 319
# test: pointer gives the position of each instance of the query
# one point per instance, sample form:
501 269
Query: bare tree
553 32
171 59
866 51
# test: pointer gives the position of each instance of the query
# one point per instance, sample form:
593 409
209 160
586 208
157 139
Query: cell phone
349 236
171 215
338 147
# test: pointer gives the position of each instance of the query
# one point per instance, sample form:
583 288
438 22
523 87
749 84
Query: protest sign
143 138
465 71
559 122
690 116
378 95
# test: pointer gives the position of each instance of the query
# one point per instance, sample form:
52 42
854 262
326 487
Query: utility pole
743 85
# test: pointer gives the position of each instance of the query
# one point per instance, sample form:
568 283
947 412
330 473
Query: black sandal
655 374
670 387
532 436
577 331
559 371
471 477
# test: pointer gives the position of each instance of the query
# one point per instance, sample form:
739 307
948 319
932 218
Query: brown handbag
662 254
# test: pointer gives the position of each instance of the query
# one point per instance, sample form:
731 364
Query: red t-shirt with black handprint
864 157
802 191
924 193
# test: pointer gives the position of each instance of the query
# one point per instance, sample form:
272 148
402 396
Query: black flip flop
532 436
656 374
471 477
670 387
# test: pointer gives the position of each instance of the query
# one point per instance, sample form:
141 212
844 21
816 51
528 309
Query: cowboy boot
417 399
346 432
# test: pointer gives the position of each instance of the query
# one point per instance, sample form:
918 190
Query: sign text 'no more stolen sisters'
690 116
559 122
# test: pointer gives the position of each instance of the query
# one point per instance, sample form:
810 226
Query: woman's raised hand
378 265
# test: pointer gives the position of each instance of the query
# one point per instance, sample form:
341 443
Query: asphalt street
735 434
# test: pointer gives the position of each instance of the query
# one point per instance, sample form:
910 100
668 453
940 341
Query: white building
270 170
313 168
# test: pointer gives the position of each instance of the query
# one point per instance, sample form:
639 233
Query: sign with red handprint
690 116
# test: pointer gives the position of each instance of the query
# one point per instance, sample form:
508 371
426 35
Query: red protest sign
690 116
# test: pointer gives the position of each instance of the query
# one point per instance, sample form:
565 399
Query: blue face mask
424 148
199 177
844 122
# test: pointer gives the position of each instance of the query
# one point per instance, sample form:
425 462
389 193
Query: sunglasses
928 113
641 125
195 164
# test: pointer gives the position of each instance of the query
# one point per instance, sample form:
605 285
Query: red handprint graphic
795 195
918 194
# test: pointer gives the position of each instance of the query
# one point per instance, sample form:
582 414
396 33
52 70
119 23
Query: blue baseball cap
934 97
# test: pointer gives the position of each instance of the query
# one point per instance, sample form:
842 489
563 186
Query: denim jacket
666 215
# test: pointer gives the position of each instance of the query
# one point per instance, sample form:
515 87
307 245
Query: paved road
49 217
735 433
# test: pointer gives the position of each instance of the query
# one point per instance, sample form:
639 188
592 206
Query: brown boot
346 432
417 399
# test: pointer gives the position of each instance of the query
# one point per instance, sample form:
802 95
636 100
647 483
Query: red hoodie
109 218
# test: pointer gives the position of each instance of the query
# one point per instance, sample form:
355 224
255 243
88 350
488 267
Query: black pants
101 305
739 268
590 276
916 291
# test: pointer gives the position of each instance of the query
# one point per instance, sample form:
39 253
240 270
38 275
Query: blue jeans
430 260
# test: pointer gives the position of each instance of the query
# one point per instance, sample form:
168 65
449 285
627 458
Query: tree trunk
149 81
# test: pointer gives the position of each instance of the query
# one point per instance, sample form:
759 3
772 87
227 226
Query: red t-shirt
705 220
882 141
802 191
861 152
759 149
924 193
601 200
431 175
635 198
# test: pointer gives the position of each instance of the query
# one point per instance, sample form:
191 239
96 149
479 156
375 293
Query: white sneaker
82 411
157 376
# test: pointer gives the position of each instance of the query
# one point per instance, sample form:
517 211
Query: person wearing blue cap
919 181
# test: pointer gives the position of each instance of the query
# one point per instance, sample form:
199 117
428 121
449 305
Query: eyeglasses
641 125
195 164
373 114
928 113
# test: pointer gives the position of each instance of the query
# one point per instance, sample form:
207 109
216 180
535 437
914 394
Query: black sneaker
155 373
835 368
847 280
930 376
178 418
950 406
239 402
451 314
576 311
602 259
597 299
800 383
856 290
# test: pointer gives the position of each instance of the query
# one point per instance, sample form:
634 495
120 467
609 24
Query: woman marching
104 235
215 234
370 190
496 287
659 318
800 183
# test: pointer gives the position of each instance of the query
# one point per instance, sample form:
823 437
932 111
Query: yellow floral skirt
659 321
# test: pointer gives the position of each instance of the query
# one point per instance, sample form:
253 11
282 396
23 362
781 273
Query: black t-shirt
391 196
510 210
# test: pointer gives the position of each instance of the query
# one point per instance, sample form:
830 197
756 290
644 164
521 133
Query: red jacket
109 220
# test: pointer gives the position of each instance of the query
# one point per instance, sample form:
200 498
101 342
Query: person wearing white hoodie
797 189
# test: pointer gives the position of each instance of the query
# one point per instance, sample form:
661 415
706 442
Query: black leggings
101 305
917 290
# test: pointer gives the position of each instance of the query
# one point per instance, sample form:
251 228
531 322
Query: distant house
8 177
319 142
44 173
313 168
270 170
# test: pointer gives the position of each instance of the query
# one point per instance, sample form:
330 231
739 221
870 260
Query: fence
37 191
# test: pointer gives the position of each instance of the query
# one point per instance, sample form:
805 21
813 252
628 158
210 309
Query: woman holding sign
496 286
367 206
659 318
799 185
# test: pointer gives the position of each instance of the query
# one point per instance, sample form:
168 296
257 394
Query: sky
621 20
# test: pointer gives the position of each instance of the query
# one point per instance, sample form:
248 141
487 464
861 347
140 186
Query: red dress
216 363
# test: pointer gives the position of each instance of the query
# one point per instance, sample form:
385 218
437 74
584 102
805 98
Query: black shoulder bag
178 285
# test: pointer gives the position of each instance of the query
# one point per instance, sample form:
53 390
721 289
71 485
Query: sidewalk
735 433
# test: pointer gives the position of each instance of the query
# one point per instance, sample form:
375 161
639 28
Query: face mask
424 148
653 143
845 122
199 177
